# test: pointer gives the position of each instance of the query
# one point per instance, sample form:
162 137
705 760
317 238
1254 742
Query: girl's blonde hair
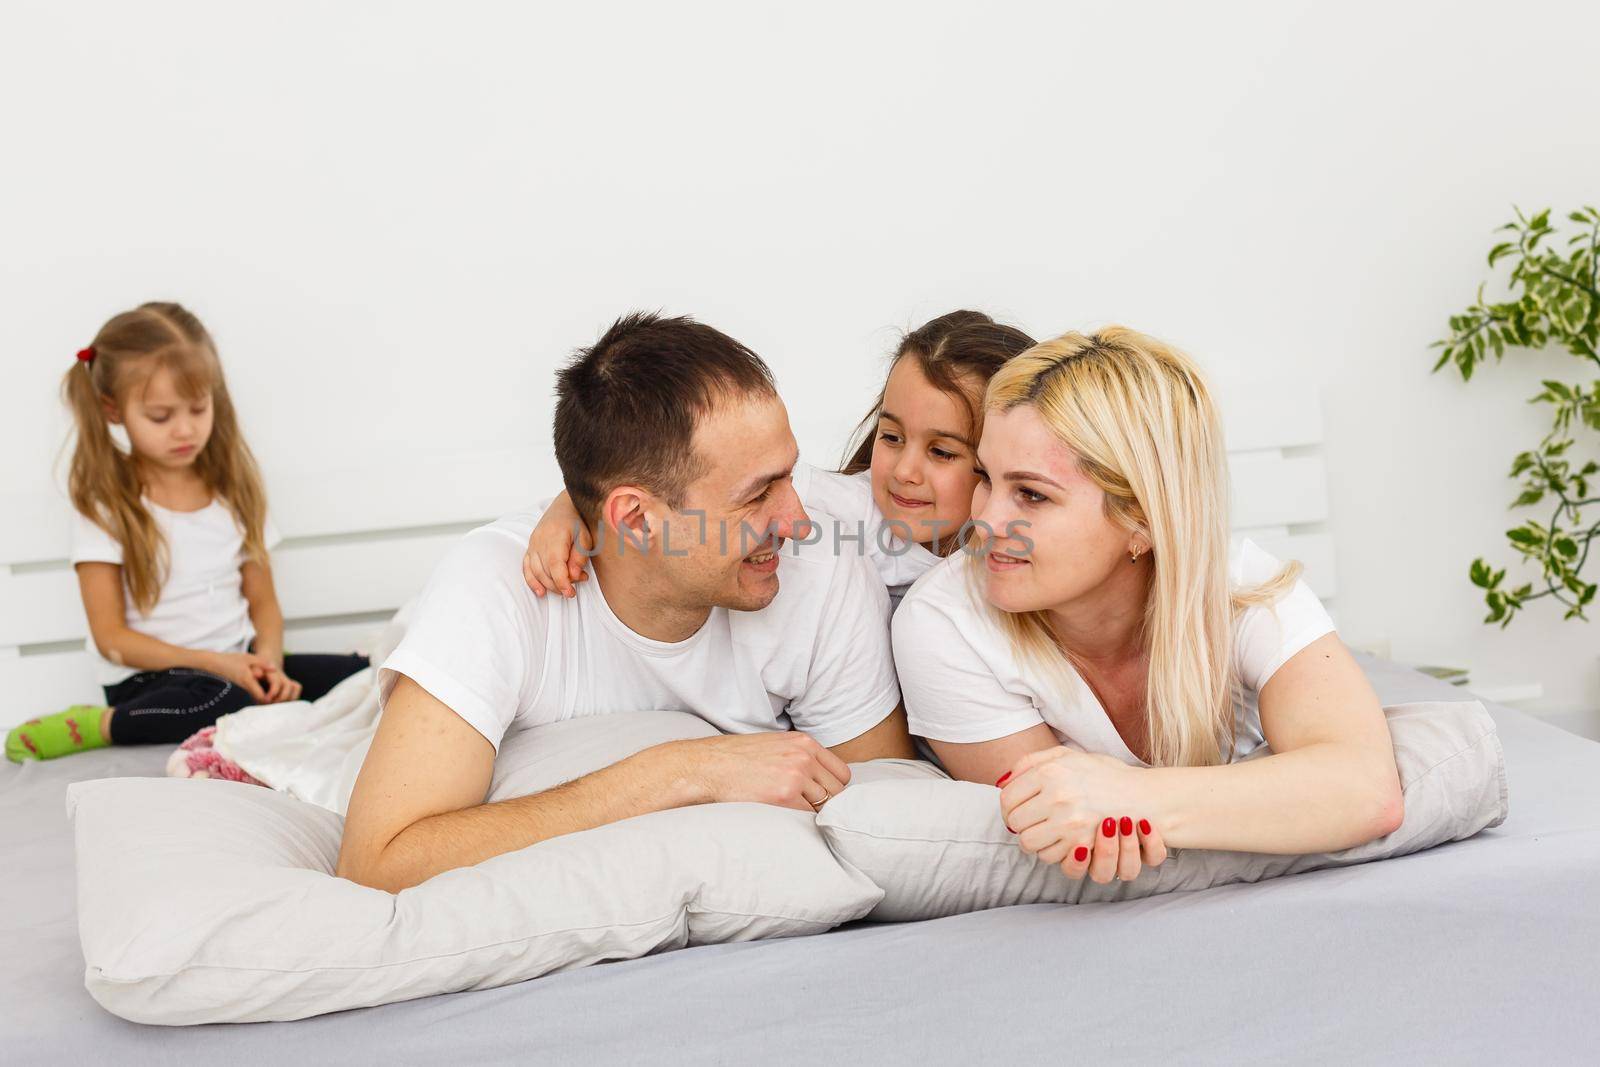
1139 417
105 482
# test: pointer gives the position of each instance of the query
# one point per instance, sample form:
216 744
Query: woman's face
1051 542
921 460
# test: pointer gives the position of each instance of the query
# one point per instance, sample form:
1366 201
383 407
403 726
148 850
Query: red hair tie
86 355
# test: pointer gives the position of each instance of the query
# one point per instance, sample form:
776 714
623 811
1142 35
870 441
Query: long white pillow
210 901
938 847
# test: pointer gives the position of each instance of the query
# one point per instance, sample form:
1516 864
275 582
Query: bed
1483 950
1477 951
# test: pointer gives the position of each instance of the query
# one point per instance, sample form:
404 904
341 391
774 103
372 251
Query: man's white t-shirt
201 604
862 527
817 658
963 683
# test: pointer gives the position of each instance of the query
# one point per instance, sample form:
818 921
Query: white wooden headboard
358 543
1280 487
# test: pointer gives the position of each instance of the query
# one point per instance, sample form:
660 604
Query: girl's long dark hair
958 352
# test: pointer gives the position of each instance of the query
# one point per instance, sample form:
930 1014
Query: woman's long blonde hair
1138 415
105 483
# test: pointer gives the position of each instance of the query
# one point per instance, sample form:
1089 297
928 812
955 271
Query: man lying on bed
675 447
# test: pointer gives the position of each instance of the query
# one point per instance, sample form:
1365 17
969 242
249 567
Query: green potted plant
1554 298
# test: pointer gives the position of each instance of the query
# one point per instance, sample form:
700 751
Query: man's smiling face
729 557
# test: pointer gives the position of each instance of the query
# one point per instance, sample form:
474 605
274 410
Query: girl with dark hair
904 493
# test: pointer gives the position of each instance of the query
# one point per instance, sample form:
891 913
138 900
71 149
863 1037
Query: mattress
1479 951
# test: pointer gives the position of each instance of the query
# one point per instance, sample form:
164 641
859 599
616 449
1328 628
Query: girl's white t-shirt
962 682
861 527
201 604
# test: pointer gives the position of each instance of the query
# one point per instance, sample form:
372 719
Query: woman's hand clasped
1082 812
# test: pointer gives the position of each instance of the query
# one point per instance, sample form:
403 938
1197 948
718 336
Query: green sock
75 730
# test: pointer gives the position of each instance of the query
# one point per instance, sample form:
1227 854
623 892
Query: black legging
165 707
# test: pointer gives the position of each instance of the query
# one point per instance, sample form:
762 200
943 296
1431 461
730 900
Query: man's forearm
652 780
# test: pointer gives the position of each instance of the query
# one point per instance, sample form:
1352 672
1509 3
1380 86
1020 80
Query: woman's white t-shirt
962 682
202 604
861 526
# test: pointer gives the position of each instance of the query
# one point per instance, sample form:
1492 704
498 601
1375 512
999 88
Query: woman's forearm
1319 798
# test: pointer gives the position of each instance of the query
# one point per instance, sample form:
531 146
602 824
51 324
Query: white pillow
206 901
938 847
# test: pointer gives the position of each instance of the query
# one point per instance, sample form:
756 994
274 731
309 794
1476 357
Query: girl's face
922 462
165 428
1052 543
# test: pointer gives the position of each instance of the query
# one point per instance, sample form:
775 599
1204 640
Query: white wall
398 218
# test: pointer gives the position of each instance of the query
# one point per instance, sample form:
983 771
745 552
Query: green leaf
1559 389
1497 607
1523 536
1566 546
1521 593
1577 216
1528 497
1479 573
1523 461
1501 249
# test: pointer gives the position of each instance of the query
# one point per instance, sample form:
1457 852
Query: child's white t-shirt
861 526
817 658
963 683
202 604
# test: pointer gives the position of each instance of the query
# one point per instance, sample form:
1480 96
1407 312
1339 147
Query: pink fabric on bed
195 758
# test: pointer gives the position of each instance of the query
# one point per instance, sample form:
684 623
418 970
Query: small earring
1133 556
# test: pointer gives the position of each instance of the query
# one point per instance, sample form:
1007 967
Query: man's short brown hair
627 407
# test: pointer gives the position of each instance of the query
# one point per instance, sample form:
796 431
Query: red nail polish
1003 779
1126 826
1109 827
1080 853
1144 826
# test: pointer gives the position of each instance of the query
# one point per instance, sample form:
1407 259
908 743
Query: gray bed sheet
1479 951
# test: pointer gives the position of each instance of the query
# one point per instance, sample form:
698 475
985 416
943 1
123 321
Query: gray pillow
939 847
202 900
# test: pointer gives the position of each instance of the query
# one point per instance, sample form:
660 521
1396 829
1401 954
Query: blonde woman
1102 656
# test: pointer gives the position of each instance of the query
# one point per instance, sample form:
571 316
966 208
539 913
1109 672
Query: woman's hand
553 560
1082 812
